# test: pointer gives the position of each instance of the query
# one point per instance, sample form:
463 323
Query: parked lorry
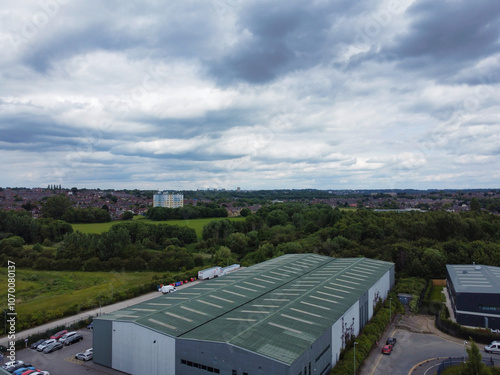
209 273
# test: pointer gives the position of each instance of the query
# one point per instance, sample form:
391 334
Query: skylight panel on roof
210 304
336 289
306 312
350 282
255 312
283 327
236 294
245 288
177 316
316 306
193 310
159 304
297 319
221 299
162 324
265 306
323 299
277 273
252 284
342 286
242 319
264 281
329 294
138 309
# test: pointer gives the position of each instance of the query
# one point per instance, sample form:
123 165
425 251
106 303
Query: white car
44 344
494 347
8 365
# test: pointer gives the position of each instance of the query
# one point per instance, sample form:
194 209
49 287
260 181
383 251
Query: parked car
35 344
91 325
29 372
387 349
40 373
18 366
391 341
44 344
66 336
84 356
20 370
11 364
59 334
71 340
53 347
494 347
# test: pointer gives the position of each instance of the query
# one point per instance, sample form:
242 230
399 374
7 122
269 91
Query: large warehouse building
291 315
475 294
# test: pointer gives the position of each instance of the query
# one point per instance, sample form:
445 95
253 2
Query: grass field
51 294
196 224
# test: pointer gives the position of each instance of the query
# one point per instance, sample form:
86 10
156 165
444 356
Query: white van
494 347
168 289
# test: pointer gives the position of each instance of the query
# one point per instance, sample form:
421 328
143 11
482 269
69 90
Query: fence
455 361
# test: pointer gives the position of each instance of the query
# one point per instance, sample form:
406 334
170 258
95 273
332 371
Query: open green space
196 224
47 295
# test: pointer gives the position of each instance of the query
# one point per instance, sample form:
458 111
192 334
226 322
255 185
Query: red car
387 349
59 334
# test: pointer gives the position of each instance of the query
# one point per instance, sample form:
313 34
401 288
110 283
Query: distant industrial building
475 294
169 200
287 316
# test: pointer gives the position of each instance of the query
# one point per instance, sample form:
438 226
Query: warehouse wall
101 342
317 358
380 290
350 318
192 354
138 350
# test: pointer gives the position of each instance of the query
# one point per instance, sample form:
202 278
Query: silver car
44 344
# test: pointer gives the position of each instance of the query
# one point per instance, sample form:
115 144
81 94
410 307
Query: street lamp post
354 360
465 349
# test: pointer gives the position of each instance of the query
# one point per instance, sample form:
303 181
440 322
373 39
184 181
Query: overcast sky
254 94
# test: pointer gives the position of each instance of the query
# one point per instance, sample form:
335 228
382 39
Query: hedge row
368 337
481 335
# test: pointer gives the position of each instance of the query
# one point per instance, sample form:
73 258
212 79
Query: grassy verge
196 224
42 296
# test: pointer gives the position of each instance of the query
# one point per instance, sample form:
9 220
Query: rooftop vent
477 268
464 271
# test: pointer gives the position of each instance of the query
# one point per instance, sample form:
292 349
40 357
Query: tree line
419 243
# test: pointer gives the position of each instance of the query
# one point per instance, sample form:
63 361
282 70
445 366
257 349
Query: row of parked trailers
212 272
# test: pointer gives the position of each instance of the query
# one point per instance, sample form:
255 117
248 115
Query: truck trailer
209 273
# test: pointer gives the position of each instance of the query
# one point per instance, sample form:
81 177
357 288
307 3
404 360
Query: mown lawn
196 224
437 294
51 294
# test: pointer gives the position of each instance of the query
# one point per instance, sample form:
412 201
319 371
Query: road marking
380 355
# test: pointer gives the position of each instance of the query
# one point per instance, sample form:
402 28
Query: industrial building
475 294
169 200
291 315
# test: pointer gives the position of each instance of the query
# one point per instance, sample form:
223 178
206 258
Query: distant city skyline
253 94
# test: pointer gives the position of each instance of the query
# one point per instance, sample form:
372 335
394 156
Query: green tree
474 205
56 207
127 215
474 364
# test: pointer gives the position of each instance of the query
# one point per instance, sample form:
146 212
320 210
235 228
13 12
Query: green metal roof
277 308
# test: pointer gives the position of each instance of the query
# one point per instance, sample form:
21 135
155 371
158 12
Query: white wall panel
138 350
379 290
351 319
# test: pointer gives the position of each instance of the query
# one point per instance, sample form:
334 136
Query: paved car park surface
63 362
420 348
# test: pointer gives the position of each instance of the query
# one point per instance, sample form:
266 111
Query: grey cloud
444 37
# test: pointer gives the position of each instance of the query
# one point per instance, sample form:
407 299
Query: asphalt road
410 350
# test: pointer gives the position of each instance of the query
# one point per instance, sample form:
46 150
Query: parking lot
63 362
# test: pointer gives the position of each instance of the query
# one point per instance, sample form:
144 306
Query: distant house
475 294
